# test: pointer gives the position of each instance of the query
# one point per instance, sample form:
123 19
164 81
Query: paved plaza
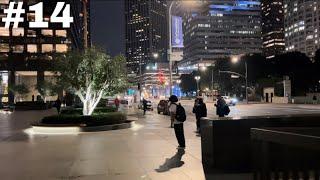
146 151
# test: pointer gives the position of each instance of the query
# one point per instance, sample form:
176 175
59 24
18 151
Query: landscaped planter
77 123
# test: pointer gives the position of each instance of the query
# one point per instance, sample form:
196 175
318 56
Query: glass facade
302 26
272 27
27 50
146 32
220 29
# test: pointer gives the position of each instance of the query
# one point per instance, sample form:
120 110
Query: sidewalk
146 151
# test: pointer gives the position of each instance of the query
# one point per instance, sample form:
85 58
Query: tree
46 88
90 75
188 83
20 90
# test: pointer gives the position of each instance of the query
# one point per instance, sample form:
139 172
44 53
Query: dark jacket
221 103
200 110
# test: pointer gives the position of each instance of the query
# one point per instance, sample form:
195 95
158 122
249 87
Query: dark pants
198 124
178 129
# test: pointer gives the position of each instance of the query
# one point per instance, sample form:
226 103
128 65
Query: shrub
93 120
78 111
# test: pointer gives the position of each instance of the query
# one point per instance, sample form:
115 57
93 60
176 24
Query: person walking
178 116
200 111
221 105
58 105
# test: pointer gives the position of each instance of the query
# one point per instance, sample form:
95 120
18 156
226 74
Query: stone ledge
74 129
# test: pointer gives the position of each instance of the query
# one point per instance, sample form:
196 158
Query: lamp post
197 78
235 60
170 46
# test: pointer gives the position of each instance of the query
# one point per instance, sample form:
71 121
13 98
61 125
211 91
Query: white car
230 101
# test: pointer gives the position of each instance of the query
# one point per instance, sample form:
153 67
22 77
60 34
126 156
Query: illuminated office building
27 54
272 27
146 33
220 29
302 26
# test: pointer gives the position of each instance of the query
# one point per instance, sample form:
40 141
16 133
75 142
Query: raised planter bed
77 123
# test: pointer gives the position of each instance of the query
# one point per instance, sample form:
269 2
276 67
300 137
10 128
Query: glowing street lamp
197 78
155 55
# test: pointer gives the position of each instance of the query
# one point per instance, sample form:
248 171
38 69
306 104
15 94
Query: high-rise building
146 33
219 29
302 26
272 27
27 54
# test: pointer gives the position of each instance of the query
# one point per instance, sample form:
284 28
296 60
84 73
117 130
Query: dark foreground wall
226 143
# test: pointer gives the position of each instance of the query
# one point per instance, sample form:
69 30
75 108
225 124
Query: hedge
94 120
78 111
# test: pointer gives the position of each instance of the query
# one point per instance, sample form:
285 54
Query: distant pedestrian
221 106
58 105
32 98
144 106
117 103
200 110
314 99
178 116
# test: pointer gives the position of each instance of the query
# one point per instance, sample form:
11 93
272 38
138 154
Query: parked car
149 105
163 107
230 101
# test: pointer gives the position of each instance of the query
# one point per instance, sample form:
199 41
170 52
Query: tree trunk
86 108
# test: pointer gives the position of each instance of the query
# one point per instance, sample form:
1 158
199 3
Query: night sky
108 26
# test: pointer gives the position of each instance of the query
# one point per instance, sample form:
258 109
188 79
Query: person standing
176 112
58 105
200 111
117 103
221 104
144 104
314 99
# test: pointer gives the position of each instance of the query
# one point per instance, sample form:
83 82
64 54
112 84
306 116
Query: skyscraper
302 26
146 33
219 29
27 54
272 27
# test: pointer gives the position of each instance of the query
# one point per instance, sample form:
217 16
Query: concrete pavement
146 151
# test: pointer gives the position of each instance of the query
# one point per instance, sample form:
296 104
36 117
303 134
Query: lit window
4 48
4 31
61 48
32 48
4 1
47 48
18 32
18 48
61 33
47 32
32 33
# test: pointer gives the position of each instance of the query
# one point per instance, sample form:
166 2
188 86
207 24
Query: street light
186 4
235 59
197 78
155 55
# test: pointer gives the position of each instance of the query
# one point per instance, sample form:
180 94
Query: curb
75 129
